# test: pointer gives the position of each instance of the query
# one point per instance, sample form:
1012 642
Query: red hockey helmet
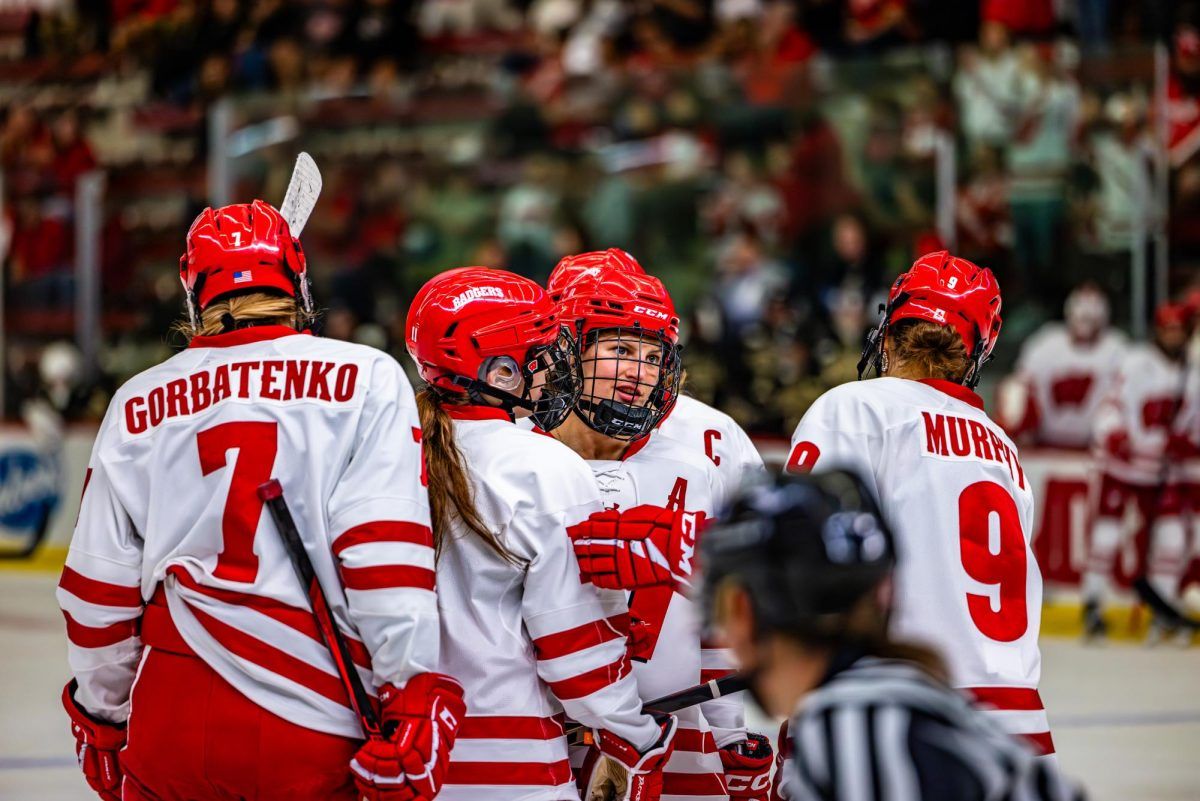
594 262
946 290
489 333
635 316
240 248
1168 314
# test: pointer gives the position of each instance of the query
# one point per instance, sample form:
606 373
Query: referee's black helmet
804 548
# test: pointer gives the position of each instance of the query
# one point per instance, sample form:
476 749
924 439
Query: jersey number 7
256 444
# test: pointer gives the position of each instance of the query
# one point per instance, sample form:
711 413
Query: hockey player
627 330
799 578
526 637
710 435
175 577
1137 449
950 482
1063 373
697 425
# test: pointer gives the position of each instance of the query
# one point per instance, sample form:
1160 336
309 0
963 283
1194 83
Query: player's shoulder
1051 337
529 463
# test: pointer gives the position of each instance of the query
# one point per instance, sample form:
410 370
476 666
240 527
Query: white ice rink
1126 719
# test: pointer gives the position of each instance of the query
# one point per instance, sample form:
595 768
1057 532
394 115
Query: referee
797 578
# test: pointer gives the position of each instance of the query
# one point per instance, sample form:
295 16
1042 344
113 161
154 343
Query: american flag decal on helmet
242 276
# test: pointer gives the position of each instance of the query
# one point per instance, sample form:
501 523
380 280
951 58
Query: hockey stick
690 696
271 494
302 192
1160 606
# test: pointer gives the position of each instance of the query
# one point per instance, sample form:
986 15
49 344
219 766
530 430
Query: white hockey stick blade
302 193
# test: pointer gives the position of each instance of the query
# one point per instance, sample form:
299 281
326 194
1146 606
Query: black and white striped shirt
884 730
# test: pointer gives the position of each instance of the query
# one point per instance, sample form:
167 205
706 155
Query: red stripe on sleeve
1017 698
710 675
510 727
99 636
695 741
592 681
550 774
100 593
294 617
1041 741
273 659
384 531
577 639
384 577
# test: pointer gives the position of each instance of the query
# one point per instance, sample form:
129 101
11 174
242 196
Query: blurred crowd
776 163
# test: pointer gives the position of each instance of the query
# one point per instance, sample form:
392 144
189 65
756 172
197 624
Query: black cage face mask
555 370
630 382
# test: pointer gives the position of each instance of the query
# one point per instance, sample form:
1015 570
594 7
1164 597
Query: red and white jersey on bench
948 481
1066 380
528 640
661 471
1144 404
170 499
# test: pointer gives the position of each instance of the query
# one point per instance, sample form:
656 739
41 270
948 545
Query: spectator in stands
872 25
1047 113
985 85
746 277
1026 17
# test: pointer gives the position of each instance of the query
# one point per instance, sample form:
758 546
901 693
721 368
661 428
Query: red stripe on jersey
99 636
384 577
273 659
693 784
294 617
549 774
1016 698
1041 741
384 531
100 593
711 675
592 681
577 639
695 741
510 727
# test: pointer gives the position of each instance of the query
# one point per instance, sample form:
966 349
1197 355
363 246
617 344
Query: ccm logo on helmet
661 315
474 293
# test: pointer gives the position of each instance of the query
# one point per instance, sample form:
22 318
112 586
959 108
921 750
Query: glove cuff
95 732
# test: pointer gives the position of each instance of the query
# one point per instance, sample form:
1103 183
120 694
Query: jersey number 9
979 505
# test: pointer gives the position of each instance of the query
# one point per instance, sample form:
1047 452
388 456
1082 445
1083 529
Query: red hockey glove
97 744
614 769
783 765
411 762
646 546
748 768
1117 445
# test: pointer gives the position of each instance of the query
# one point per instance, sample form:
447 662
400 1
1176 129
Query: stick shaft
690 696
339 649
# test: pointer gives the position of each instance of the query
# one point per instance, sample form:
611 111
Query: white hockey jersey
527 640
710 432
948 481
1143 403
661 471
170 499
1066 381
